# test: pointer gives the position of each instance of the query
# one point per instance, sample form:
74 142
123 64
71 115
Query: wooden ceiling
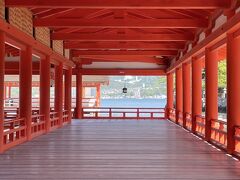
149 31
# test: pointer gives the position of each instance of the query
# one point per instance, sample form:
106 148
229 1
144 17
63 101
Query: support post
45 90
186 91
58 100
79 93
25 101
9 91
68 93
179 93
169 94
2 72
98 95
211 63
196 90
233 86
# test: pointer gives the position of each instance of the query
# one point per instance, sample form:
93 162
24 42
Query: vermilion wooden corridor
118 149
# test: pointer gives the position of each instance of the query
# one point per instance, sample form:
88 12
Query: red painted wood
233 85
120 38
125 45
186 71
122 72
117 53
179 95
79 93
170 93
196 91
211 63
120 23
25 103
58 101
45 90
68 93
88 59
2 72
124 4
123 113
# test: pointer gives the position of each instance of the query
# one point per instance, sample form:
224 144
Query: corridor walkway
117 149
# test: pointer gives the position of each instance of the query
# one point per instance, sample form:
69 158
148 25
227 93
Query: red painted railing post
45 91
186 91
25 103
233 86
58 102
179 93
2 72
110 113
196 90
211 63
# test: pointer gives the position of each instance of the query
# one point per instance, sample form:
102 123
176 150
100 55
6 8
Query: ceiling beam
122 72
139 60
121 4
129 53
121 23
124 58
124 45
107 37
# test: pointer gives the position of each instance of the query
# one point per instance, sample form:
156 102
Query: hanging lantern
124 90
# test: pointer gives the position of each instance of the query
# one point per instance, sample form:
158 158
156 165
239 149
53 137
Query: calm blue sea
141 103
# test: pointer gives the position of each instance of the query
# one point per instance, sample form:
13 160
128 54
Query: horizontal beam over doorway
123 72
123 4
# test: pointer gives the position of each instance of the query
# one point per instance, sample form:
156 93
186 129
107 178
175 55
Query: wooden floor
117 149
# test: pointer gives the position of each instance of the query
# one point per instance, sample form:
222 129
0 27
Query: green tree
222 74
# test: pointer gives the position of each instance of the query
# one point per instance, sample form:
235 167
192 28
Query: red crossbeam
123 4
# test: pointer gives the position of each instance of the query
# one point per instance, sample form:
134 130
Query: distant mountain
138 87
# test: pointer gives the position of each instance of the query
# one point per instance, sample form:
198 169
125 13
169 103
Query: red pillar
25 101
233 87
211 63
79 94
196 90
98 95
2 72
45 90
179 93
5 92
9 91
68 93
186 91
169 93
58 100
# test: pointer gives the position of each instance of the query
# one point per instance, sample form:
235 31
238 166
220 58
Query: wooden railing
123 113
65 116
188 118
11 113
38 125
14 102
54 120
172 114
200 125
14 132
219 132
237 140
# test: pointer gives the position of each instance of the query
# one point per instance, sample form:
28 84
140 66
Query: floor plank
118 149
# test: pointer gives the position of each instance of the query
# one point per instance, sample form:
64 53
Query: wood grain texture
117 149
